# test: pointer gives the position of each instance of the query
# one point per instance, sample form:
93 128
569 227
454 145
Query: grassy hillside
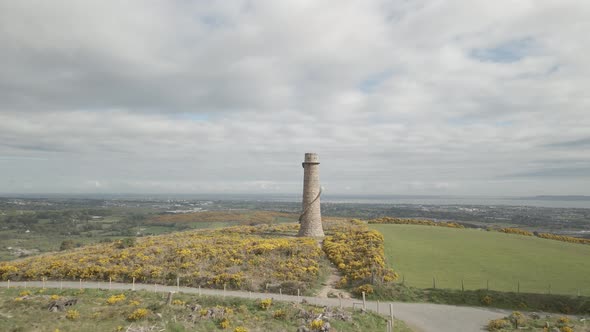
98 310
244 257
420 253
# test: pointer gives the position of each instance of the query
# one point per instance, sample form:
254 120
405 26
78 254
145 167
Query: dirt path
330 286
424 317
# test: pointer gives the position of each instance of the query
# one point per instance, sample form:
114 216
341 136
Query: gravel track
421 317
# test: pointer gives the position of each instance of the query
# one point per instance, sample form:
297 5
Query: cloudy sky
397 97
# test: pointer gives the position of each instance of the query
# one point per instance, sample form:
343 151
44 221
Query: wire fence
516 285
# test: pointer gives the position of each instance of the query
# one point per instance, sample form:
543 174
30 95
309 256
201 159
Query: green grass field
420 253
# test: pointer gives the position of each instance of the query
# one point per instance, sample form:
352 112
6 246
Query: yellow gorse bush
224 323
113 299
72 314
215 258
316 324
265 304
358 253
138 314
498 324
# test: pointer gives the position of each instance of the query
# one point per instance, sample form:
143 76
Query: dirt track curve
422 317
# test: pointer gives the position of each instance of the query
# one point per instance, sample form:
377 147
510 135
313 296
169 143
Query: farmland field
420 253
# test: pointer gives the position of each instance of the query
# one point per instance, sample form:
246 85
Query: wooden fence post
364 302
391 315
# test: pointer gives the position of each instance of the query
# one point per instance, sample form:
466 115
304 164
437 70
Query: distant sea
538 201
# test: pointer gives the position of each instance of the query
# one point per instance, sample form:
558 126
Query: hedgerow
510 230
406 221
563 238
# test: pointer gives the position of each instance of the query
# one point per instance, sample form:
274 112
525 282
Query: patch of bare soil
329 289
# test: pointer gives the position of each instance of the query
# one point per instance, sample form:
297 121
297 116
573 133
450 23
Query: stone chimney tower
311 216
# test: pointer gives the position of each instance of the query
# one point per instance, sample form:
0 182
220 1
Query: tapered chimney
311 216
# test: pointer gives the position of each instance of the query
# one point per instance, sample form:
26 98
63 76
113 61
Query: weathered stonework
311 216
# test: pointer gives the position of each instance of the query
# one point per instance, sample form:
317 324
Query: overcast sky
397 97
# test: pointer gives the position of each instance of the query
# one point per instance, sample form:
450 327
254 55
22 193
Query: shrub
138 314
224 323
368 289
240 329
566 329
279 314
563 320
72 314
113 299
316 324
178 302
486 300
265 304
24 293
517 319
54 297
67 245
358 254
343 282
498 324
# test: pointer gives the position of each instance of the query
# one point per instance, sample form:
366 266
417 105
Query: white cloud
397 97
